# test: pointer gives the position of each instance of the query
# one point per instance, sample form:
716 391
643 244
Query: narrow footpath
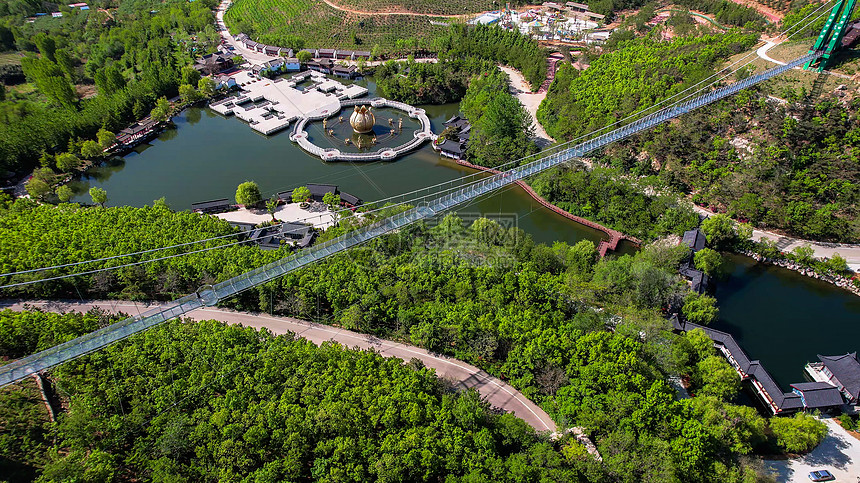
465 376
762 52
530 100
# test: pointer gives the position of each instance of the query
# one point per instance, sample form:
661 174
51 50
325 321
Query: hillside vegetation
312 23
227 403
787 167
433 7
637 74
784 162
206 402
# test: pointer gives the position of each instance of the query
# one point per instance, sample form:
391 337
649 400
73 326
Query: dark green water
207 156
784 319
778 316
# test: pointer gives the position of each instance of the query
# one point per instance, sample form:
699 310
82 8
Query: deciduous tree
105 138
91 149
709 261
720 231
301 194
798 434
700 309
64 193
161 111
37 188
206 87
99 196
68 162
248 194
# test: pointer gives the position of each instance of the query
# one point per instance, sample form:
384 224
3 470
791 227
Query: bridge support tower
830 38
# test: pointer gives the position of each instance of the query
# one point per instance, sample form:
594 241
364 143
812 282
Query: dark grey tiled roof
694 239
818 394
321 189
698 279
306 240
351 199
676 322
211 205
846 369
451 147
294 230
783 400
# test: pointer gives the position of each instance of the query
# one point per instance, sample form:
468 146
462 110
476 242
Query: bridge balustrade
96 340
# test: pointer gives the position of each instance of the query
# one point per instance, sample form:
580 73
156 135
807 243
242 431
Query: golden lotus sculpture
362 120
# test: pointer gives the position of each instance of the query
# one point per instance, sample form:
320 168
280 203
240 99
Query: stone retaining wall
604 245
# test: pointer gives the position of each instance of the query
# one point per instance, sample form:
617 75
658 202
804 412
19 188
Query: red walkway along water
604 245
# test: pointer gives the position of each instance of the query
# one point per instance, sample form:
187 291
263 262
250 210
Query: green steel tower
830 38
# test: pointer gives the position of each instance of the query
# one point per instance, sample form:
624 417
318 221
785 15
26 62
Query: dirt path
769 13
493 390
392 12
530 100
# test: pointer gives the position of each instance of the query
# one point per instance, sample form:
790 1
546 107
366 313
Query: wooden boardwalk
602 248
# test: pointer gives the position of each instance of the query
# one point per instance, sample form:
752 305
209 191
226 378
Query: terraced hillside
313 23
435 7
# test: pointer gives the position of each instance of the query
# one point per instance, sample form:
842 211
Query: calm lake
208 155
777 316
784 319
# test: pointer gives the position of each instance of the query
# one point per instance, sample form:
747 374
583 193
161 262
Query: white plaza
283 101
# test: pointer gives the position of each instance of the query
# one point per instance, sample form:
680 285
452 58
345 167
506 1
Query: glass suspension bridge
423 208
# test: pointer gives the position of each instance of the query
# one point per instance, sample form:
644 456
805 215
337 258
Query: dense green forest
482 293
502 129
130 57
428 82
35 236
605 196
638 73
496 44
225 403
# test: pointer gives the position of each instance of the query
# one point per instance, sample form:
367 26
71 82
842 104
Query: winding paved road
769 44
239 48
493 390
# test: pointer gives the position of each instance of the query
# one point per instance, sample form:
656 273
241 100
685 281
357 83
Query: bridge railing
427 207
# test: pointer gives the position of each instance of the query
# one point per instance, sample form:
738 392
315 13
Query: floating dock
269 106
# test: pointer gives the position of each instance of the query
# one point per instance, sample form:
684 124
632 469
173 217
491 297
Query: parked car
821 475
